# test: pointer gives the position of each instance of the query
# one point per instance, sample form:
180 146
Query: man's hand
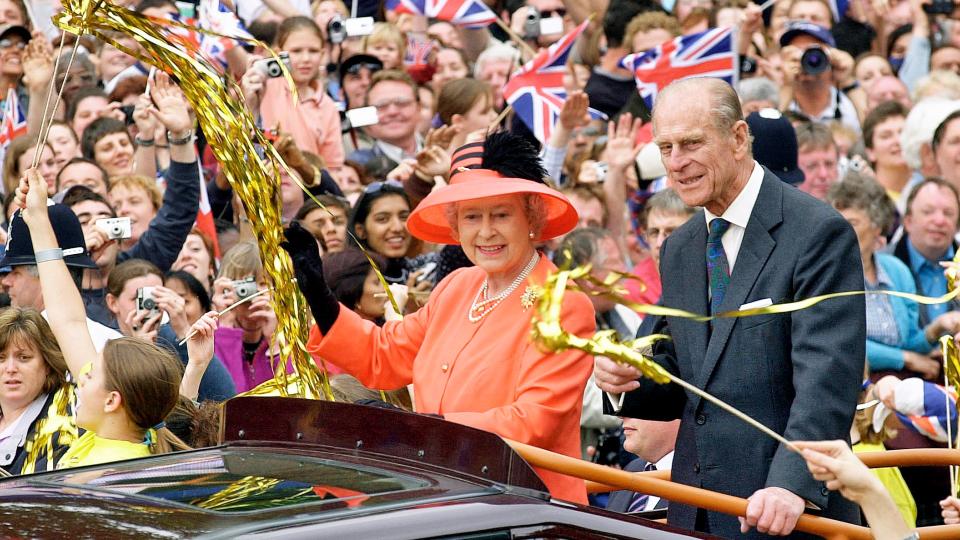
950 510
842 64
621 150
614 378
442 136
790 56
38 63
574 114
928 368
432 161
171 110
773 511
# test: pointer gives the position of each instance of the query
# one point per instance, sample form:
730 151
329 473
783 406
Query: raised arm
200 353
65 311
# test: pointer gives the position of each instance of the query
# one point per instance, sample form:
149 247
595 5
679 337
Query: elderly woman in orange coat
468 351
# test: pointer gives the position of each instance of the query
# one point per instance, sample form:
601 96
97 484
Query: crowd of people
831 164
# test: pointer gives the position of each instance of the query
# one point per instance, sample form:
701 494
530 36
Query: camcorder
116 228
339 29
536 25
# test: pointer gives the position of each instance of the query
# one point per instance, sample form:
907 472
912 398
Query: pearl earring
531 235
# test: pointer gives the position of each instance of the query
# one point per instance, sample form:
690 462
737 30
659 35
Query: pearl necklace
480 308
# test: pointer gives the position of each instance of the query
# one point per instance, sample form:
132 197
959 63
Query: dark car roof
302 488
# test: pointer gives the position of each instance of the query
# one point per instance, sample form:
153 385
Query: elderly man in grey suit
757 242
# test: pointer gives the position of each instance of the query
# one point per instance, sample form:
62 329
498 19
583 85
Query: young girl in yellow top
124 394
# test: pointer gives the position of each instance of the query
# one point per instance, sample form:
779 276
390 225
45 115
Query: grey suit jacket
797 373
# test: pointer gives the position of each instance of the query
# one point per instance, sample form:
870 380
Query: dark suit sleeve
827 351
653 401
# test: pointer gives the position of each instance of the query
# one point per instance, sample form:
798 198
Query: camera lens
814 61
149 303
116 231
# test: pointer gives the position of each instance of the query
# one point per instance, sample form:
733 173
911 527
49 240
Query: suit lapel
693 292
754 251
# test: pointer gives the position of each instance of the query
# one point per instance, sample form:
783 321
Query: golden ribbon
59 421
236 142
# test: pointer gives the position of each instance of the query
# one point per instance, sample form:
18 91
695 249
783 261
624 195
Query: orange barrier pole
684 494
913 457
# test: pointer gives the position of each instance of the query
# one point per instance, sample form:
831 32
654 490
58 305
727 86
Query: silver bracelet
55 254
187 138
913 536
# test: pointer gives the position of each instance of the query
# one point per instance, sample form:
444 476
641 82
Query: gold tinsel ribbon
234 138
60 421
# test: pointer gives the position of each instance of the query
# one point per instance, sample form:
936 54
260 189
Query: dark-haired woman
379 221
355 284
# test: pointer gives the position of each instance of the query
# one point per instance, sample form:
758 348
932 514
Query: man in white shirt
653 443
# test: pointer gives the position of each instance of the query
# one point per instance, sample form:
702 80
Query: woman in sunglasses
468 352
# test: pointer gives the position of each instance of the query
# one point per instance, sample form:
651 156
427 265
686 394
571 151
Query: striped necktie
639 501
718 269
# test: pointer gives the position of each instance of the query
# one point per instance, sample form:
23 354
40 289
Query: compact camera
939 7
814 61
244 288
339 29
536 25
271 66
116 228
145 300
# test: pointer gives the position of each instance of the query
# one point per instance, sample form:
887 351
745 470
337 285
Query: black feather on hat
504 152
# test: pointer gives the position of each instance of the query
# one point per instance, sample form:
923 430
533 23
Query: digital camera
116 228
145 300
244 288
814 61
270 67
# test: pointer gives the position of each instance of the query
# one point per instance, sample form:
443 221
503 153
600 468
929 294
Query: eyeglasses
376 187
356 68
12 43
401 103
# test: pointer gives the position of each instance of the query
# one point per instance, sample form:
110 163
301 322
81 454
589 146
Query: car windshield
240 480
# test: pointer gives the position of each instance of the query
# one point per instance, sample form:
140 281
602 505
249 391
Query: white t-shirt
99 333
251 10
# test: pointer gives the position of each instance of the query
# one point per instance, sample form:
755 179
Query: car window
239 480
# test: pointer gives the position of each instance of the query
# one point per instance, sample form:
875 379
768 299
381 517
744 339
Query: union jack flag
536 92
14 121
418 52
215 17
707 54
468 13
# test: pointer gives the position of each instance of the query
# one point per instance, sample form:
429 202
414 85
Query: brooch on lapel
529 296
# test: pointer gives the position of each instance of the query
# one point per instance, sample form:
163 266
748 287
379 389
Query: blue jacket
161 242
907 314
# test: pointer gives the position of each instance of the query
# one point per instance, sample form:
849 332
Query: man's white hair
497 51
920 124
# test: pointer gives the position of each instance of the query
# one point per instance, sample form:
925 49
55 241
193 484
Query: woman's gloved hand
308 267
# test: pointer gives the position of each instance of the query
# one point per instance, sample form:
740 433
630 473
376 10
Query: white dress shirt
738 214
663 464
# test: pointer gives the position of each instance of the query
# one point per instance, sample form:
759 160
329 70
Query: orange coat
488 375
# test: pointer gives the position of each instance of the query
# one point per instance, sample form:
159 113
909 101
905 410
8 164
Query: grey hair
814 136
920 124
668 202
581 247
499 51
725 110
857 191
937 83
758 89
533 207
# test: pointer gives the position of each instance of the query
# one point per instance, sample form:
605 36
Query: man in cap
810 63
22 282
775 144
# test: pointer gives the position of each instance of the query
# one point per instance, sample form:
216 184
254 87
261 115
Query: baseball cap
775 144
7 29
362 60
796 28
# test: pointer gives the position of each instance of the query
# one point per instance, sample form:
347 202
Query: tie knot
650 467
717 227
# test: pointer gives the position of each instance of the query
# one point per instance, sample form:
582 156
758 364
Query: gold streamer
552 337
235 139
951 375
59 420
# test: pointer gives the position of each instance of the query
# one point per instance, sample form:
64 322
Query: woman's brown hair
11 161
147 378
459 96
293 24
128 270
25 326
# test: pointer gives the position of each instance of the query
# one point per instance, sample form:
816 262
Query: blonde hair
136 181
651 20
242 261
385 33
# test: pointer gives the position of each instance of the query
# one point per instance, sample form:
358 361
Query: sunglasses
357 68
376 187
